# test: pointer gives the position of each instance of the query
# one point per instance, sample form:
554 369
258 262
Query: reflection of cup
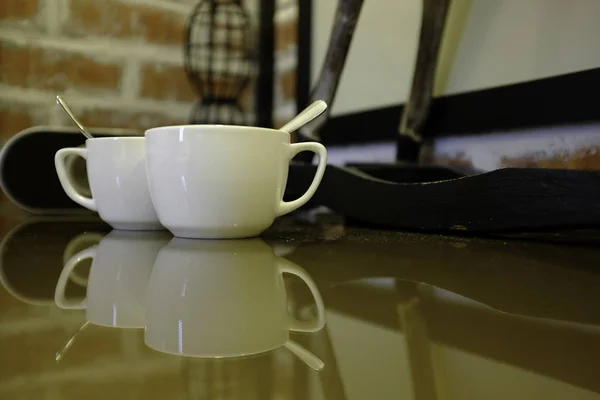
118 279
223 299
31 276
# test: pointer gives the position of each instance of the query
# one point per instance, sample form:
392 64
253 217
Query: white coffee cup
223 298
116 171
216 181
118 279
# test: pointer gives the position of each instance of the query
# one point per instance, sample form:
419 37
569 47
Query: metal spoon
69 113
308 114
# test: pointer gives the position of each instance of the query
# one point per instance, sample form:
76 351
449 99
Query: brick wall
119 63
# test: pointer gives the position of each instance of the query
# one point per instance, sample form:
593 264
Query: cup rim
117 138
214 127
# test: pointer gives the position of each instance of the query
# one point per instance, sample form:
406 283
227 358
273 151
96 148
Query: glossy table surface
408 315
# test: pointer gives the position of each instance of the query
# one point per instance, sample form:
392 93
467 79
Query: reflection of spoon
306 356
69 113
308 114
68 343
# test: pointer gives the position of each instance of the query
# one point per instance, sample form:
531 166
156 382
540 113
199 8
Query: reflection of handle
59 293
80 242
289 206
286 266
65 179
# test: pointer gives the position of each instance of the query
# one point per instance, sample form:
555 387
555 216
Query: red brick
171 83
225 87
112 18
13 121
163 82
18 9
286 34
31 67
122 119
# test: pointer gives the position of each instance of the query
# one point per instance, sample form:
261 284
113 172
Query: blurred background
513 86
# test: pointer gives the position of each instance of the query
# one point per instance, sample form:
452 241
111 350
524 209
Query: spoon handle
312 111
70 114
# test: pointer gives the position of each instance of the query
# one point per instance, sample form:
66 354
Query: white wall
497 42
382 50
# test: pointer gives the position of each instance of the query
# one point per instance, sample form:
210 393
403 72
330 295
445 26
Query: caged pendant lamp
218 60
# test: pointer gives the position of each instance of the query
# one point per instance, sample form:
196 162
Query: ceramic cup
216 181
223 298
117 174
118 279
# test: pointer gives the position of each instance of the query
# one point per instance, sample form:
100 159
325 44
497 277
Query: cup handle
317 148
61 169
59 293
286 266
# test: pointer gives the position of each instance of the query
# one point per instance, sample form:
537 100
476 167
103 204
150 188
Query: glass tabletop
313 309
